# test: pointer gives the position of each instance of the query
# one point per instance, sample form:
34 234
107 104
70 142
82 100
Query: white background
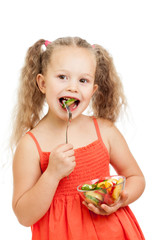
129 30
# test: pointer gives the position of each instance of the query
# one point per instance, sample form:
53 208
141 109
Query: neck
53 120
57 122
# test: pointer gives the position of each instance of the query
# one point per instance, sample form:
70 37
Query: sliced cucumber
92 200
94 197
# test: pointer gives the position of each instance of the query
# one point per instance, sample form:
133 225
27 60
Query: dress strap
36 142
97 128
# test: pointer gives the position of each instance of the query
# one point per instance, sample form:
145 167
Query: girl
44 197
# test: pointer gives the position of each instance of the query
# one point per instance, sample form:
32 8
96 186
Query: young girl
46 170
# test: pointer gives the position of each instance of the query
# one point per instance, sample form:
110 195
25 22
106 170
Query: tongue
72 106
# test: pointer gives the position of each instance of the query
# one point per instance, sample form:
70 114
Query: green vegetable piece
91 199
88 187
102 190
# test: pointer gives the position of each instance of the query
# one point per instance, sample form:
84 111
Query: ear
41 83
95 87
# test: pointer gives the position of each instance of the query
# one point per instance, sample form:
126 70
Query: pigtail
109 98
30 99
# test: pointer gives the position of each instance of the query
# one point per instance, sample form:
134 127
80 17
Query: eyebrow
83 74
89 75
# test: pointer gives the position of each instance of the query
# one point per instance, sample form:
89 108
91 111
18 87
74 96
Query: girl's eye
83 80
63 77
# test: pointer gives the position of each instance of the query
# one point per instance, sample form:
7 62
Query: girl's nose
72 86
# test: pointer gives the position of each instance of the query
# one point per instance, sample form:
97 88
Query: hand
105 209
62 160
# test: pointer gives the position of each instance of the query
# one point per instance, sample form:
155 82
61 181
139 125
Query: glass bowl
105 190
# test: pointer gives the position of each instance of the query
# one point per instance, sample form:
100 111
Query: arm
34 191
124 163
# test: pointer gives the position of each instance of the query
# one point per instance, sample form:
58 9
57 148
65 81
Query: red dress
67 218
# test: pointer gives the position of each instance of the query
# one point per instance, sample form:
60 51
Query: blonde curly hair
109 98
106 102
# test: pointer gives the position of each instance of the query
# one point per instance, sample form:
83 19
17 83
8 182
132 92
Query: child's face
70 74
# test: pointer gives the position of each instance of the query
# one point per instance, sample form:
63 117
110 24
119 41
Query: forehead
73 57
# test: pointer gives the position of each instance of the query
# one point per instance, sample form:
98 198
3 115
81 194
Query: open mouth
71 102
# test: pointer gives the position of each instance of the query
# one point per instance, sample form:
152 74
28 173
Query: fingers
66 151
94 209
105 209
109 210
69 153
65 147
62 160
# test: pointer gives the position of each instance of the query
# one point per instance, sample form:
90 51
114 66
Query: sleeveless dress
67 218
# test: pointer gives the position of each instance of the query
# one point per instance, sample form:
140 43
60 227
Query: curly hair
109 98
106 102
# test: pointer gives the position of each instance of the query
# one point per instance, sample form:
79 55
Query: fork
69 119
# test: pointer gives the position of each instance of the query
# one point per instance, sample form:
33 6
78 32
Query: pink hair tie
46 43
44 46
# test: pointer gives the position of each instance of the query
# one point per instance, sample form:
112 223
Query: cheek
87 96
89 93
51 89
50 95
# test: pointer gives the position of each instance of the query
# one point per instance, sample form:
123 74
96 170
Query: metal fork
69 119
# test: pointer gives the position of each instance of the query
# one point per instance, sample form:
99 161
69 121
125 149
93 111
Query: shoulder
104 123
26 149
26 142
108 127
26 167
109 132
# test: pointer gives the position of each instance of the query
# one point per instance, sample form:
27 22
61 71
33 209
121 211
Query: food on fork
70 102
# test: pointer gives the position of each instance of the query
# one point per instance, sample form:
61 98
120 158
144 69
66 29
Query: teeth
63 99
